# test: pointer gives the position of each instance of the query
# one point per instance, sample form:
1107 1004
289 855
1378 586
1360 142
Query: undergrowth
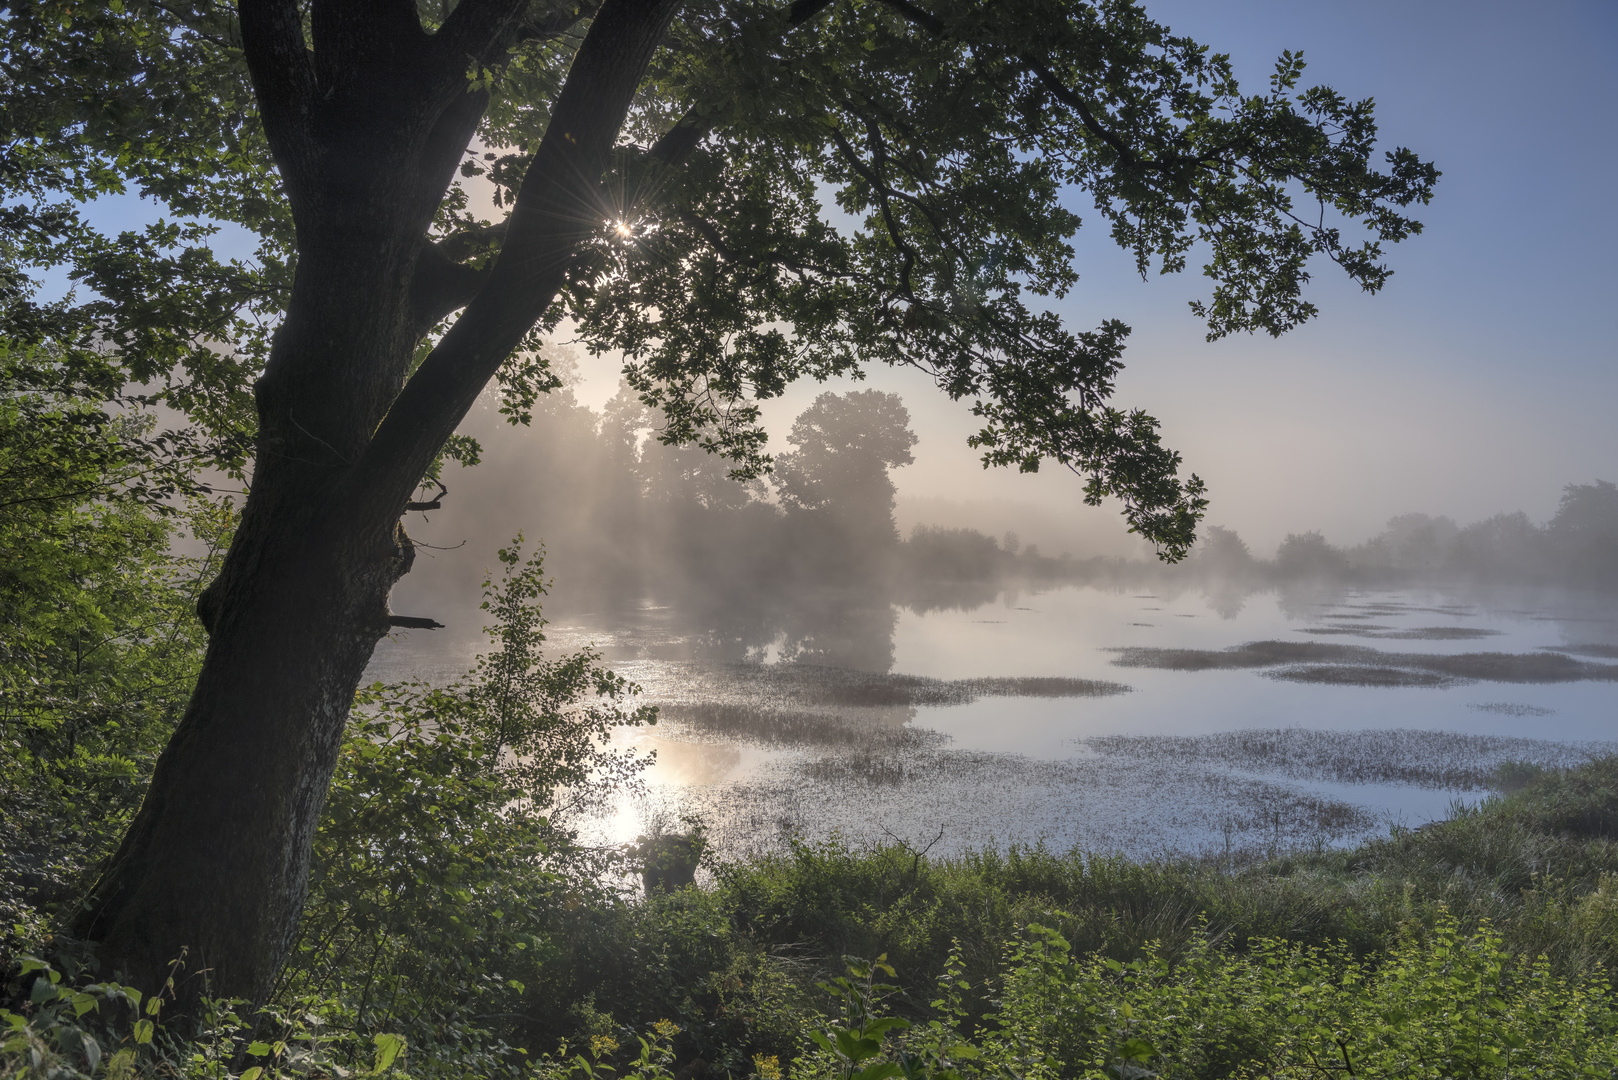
1477 946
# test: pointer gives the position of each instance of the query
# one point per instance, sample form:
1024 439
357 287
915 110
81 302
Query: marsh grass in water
1359 665
790 727
1390 608
786 686
1360 675
1510 708
1421 633
1604 652
982 800
1446 760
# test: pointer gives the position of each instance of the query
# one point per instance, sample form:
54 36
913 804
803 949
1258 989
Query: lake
1128 718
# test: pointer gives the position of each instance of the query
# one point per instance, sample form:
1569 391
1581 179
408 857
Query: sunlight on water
1137 720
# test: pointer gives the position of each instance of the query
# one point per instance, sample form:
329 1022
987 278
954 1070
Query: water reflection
1000 713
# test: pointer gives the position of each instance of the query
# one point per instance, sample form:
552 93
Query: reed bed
1359 665
1604 652
1420 633
1354 630
1386 608
1511 708
1444 760
875 730
810 686
966 800
1361 675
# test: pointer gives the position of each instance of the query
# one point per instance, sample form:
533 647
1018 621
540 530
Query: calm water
1195 755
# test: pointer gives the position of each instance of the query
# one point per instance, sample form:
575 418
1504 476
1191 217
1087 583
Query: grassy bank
483 975
1540 866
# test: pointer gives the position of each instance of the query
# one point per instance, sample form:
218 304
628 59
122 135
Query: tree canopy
734 194
797 190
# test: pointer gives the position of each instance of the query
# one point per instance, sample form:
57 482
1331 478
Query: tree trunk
367 130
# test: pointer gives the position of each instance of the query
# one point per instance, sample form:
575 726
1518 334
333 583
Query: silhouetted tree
1307 555
1223 553
846 445
1505 547
1584 532
663 162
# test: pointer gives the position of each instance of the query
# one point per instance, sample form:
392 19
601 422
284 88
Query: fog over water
1305 686
821 670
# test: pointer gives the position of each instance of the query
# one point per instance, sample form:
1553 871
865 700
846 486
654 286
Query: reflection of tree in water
842 628
1304 599
1227 599
834 626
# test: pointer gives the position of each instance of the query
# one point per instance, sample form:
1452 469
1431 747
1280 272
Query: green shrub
1440 1004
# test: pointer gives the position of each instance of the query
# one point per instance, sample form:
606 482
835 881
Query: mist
814 562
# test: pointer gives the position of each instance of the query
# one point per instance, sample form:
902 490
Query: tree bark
367 128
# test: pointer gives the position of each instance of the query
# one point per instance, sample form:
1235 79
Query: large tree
664 165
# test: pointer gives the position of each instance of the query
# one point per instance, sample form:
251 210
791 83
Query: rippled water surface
1130 719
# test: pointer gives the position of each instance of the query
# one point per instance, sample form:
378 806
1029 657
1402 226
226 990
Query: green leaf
92 1050
879 1071
1135 1049
388 1049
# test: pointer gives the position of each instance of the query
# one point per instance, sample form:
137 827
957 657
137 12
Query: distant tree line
1577 547
627 517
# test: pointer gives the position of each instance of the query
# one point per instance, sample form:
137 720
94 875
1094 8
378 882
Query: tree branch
1058 89
283 82
414 622
558 207
435 503
476 29
463 244
558 22
680 140
802 11
924 19
441 286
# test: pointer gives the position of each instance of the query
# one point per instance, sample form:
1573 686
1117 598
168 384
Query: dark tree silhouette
662 163
1584 532
846 445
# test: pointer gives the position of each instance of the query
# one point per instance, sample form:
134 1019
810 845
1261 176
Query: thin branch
435 503
907 254
924 19
678 142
